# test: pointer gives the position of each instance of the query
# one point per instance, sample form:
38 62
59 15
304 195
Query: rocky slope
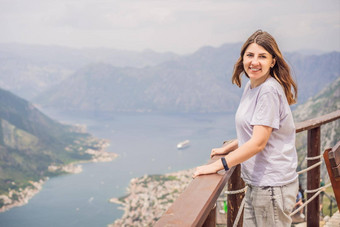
326 101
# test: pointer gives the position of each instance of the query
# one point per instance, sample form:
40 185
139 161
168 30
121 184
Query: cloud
172 25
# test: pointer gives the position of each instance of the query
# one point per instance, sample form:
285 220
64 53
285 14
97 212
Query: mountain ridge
155 82
195 83
28 70
31 142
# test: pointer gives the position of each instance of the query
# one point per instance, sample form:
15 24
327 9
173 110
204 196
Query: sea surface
145 143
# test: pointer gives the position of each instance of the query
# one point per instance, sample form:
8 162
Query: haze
169 25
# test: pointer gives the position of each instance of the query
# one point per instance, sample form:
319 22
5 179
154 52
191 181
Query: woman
265 144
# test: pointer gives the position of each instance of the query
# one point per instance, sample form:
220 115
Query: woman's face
257 63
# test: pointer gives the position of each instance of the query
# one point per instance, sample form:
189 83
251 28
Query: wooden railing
196 206
313 128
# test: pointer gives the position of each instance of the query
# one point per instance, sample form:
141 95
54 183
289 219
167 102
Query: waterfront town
148 197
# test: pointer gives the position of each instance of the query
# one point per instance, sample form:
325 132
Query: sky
179 26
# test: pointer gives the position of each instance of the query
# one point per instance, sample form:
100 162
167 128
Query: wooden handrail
317 122
195 204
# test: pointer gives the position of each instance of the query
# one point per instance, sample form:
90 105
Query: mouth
254 69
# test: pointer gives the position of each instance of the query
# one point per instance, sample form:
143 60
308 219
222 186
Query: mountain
200 82
30 142
27 70
313 72
174 86
182 85
160 82
326 101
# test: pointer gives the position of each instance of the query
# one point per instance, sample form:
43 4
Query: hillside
326 101
30 143
199 82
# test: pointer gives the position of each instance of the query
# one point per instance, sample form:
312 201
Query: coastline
16 198
148 197
22 196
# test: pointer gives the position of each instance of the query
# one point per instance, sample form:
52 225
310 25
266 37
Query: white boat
183 144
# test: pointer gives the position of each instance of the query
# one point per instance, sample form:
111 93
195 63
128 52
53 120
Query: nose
254 61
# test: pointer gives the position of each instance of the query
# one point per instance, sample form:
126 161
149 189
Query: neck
257 82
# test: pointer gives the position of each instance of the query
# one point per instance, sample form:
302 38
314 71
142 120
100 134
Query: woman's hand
208 169
217 151
201 170
227 147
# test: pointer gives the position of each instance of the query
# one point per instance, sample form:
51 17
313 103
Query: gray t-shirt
267 105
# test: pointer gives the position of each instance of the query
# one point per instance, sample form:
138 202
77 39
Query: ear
273 63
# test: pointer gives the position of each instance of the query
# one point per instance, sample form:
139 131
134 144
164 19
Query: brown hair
280 71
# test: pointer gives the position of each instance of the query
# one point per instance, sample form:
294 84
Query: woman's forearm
225 149
253 146
256 144
233 145
233 158
239 155
243 153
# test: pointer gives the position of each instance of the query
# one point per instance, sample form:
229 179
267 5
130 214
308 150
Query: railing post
313 177
234 200
211 219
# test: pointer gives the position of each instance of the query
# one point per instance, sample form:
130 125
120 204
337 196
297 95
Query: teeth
254 69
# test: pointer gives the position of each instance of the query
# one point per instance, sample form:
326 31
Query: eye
263 56
249 55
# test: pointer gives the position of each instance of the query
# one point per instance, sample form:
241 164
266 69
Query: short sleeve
267 110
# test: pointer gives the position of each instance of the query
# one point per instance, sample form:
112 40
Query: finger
196 173
212 153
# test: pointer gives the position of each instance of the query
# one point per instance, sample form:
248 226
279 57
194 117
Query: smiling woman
261 45
257 63
265 144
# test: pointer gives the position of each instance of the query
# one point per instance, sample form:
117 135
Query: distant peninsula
34 147
21 196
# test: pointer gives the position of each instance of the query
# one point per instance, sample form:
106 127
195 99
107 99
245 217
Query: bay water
145 143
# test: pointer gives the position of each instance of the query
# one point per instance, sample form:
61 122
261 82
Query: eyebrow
249 52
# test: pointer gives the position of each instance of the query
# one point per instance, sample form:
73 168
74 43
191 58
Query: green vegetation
30 142
122 199
326 209
162 178
158 178
163 196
